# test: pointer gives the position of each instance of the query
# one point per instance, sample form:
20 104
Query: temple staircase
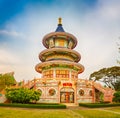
107 92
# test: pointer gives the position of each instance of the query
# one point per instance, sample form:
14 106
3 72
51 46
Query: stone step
72 105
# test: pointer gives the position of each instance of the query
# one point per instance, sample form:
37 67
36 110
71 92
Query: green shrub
98 105
39 106
116 97
22 95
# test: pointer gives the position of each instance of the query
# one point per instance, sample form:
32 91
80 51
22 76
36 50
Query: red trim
67 84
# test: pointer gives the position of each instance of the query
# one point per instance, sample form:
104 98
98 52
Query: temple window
74 74
52 92
51 43
90 93
48 74
70 44
62 73
67 73
81 92
40 91
60 43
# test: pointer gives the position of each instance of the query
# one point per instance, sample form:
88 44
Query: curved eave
54 34
39 66
54 51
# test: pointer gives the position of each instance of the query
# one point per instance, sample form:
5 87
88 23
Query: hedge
39 106
98 105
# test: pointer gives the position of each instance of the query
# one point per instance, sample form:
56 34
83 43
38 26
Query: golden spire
60 21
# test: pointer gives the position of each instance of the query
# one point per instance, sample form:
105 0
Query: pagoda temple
60 68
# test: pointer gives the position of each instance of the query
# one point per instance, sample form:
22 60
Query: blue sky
23 24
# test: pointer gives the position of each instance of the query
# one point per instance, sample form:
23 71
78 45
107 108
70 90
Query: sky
24 23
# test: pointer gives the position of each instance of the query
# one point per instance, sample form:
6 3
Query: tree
7 80
109 76
117 85
116 96
22 95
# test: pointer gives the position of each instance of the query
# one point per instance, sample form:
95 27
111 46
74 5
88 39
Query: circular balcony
59 54
59 64
71 40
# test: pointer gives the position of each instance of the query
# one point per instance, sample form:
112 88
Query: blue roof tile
59 28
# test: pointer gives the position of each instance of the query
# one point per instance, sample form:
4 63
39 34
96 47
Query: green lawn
33 113
116 109
6 112
97 113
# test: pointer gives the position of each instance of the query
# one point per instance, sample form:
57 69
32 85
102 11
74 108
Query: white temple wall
50 93
84 94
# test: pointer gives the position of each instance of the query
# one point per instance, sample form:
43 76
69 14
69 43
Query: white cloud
7 61
8 57
109 10
97 32
11 33
22 65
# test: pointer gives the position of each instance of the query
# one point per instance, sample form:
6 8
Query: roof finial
59 21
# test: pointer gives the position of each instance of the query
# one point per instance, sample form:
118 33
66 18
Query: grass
7 112
93 113
33 113
116 109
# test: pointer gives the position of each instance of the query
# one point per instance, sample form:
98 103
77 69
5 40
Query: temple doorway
98 96
67 95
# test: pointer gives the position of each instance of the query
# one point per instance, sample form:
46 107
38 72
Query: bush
22 95
39 106
98 105
116 97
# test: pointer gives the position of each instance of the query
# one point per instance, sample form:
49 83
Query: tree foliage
22 95
117 85
110 76
6 80
116 96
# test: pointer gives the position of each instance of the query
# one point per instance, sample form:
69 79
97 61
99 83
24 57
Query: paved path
73 106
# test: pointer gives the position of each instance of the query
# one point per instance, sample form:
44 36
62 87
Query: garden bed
39 106
99 105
